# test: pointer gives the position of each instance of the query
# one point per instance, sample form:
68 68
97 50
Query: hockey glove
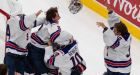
52 70
78 70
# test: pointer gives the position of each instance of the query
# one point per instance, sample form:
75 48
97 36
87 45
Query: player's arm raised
108 34
112 16
29 20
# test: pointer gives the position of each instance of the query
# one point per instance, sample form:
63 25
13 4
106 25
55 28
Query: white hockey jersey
45 33
117 52
67 58
17 33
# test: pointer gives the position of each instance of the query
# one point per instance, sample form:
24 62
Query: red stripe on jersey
5 14
13 46
51 60
55 35
127 63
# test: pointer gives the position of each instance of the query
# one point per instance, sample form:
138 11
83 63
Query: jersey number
27 36
76 59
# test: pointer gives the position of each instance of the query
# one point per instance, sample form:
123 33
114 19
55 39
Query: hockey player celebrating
40 40
17 38
66 57
117 50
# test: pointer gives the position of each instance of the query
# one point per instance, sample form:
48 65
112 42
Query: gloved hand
52 70
78 69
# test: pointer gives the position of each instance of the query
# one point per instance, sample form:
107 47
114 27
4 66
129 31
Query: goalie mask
75 6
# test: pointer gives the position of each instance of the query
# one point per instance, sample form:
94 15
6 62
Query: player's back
17 35
69 59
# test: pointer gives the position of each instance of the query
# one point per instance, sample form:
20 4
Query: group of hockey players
48 51
53 51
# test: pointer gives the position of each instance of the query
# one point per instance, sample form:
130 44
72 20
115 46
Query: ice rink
83 27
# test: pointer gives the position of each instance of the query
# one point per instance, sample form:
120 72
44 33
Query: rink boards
128 11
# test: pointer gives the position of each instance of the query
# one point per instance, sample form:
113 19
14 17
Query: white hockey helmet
64 38
15 7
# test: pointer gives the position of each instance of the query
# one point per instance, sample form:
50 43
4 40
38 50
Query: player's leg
114 73
37 56
75 73
39 63
9 60
29 68
124 73
111 73
20 64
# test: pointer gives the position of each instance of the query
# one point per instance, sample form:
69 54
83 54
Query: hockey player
17 38
40 40
117 50
29 69
66 57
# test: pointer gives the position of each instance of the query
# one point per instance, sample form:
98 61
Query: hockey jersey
67 58
117 52
17 33
45 33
